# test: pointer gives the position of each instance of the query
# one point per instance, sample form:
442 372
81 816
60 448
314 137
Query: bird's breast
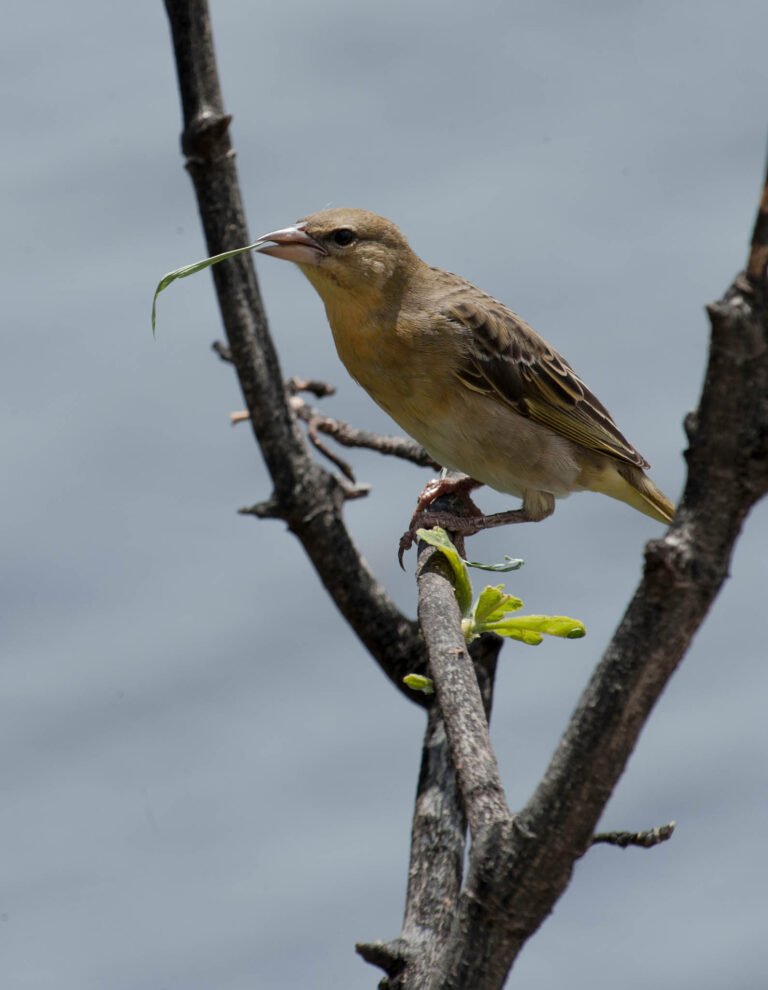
415 382
388 363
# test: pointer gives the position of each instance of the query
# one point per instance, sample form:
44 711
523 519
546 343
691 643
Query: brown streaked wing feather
507 358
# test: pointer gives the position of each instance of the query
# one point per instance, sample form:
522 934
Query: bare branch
458 693
437 837
222 350
437 847
324 449
318 388
519 868
435 869
645 840
350 436
307 497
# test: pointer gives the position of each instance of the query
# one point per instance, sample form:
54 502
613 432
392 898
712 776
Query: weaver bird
466 377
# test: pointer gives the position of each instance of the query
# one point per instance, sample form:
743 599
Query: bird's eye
343 236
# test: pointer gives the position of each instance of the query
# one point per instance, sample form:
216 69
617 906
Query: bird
464 375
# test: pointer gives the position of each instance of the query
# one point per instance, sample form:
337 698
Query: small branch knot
224 352
392 956
270 509
313 385
204 139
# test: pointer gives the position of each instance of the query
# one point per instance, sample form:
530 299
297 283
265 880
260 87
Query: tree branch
306 496
351 436
437 842
435 869
520 866
343 433
458 693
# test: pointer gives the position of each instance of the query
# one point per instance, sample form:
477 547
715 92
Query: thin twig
645 840
350 436
222 350
317 387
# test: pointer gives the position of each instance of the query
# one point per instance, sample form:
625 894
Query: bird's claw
457 513
406 542
456 525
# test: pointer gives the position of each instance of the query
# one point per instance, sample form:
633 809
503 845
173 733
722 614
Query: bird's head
345 253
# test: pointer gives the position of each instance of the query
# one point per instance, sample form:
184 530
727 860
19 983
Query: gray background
206 783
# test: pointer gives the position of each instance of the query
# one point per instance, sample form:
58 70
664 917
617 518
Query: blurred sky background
206 782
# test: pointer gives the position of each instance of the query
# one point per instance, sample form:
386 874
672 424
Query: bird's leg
468 520
459 525
495 519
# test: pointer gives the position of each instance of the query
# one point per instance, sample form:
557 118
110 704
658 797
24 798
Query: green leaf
438 538
522 626
418 683
527 636
197 266
493 603
511 564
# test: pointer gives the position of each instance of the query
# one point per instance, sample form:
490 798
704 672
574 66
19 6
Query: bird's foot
444 502
427 519
458 524
457 487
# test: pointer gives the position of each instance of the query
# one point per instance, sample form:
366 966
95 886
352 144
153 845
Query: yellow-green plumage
460 372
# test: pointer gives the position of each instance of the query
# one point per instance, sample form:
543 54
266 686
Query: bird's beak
292 244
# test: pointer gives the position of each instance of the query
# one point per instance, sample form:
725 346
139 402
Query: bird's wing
506 358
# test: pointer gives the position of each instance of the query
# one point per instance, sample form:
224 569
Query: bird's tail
631 485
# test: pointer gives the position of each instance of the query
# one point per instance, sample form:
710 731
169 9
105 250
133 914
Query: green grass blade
197 266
